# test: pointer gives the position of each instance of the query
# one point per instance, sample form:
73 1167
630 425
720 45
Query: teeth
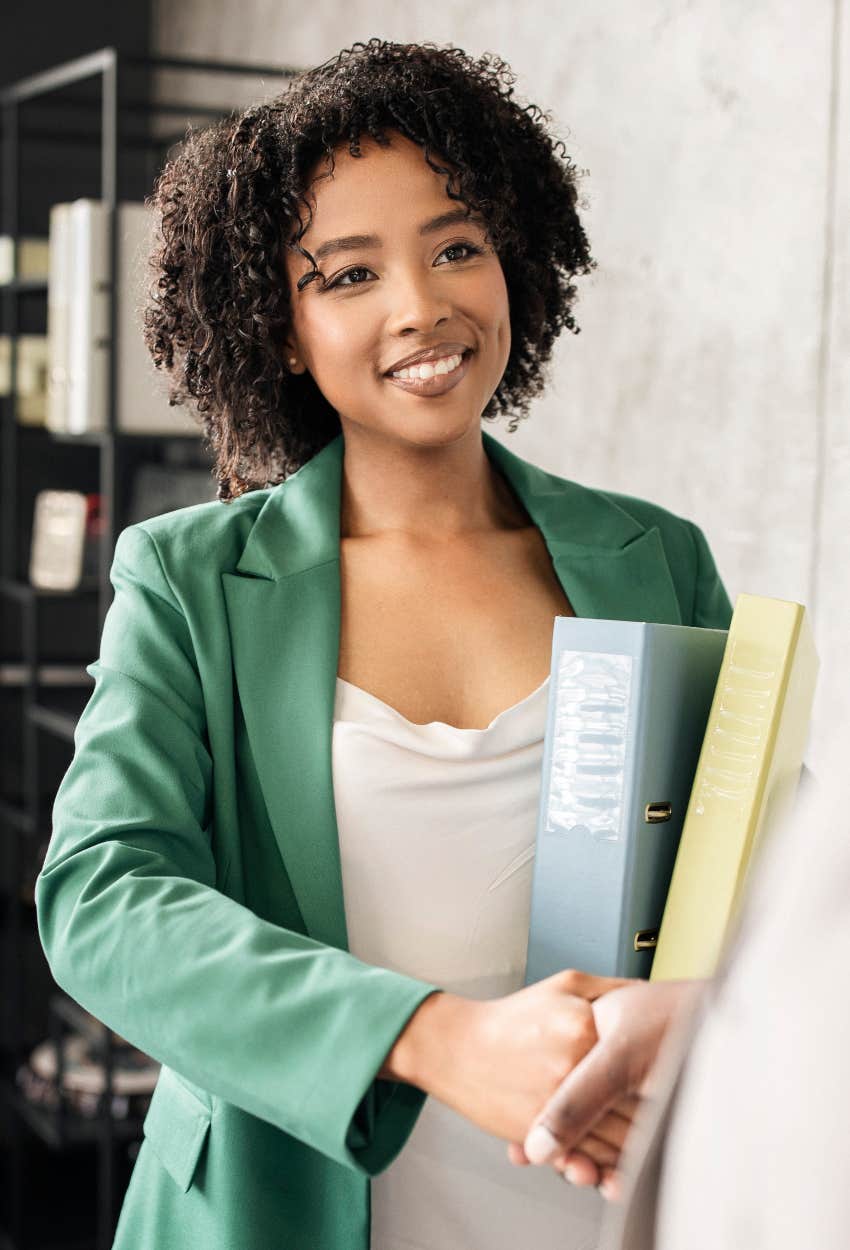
446 364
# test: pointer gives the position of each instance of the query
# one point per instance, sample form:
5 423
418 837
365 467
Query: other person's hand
585 1123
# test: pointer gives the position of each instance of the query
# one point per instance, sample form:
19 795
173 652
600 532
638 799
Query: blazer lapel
609 566
283 608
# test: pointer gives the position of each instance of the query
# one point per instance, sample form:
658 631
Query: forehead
387 183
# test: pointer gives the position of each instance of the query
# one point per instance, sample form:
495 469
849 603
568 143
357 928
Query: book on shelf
32 260
88 316
31 388
79 294
746 778
58 289
628 706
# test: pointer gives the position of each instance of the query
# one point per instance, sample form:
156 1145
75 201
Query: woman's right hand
497 1062
631 1023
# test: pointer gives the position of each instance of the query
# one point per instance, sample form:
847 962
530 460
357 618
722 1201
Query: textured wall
712 369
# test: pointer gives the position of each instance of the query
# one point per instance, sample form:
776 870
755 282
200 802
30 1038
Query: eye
338 280
469 248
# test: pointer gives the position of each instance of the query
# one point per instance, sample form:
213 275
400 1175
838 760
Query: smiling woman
441 172
292 856
419 304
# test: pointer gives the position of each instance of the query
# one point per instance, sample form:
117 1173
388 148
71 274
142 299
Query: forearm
266 1018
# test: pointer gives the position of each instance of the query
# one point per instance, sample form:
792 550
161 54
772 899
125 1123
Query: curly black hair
227 205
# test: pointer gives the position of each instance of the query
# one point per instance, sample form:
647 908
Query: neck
441 493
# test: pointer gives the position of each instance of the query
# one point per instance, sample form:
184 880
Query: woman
291 857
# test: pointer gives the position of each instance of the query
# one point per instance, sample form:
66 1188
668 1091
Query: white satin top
437 835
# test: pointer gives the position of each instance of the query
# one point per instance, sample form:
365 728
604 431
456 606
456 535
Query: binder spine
629 960
579 869
679 679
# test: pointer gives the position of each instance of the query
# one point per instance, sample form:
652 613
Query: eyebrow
351 241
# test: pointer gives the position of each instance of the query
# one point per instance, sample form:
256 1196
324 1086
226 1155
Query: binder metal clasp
655 813
646 939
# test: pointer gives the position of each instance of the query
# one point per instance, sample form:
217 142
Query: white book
88 320
58 292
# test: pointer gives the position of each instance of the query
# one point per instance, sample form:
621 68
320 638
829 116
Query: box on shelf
67 526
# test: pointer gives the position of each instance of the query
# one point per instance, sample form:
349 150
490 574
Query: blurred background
711 375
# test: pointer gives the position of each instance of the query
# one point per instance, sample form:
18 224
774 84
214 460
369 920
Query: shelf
24 592
90 438
59 712
96 438
17 673
55 636
76 1131
25 286
108 59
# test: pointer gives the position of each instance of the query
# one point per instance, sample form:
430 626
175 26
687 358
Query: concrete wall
712 373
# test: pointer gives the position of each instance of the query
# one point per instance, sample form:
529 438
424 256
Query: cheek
492 298
333 336
499 312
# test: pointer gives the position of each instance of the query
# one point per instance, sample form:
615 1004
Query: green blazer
191 897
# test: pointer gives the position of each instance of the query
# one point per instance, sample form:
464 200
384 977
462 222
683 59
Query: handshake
558 1069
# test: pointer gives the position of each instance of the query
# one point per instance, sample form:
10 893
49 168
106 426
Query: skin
631 1021
411 465
426 521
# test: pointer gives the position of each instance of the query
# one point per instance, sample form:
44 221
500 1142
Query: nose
418 300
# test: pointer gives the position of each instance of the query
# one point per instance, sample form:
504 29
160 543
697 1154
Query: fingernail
608 1189
571 1174
540 1145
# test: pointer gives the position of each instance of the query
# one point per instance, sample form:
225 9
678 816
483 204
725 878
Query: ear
292 357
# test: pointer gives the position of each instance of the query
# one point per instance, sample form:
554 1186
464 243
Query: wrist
427 1050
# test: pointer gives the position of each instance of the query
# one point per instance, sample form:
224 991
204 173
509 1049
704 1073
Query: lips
429 353
439 384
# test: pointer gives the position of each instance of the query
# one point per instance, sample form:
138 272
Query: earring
292 360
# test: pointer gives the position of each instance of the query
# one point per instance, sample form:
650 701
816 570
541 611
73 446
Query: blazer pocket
176 1126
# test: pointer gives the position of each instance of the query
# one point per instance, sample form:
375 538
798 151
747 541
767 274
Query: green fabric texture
191 897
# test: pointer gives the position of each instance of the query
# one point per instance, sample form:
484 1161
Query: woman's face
413 285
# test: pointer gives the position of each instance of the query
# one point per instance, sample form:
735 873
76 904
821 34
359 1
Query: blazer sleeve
134 928
711 606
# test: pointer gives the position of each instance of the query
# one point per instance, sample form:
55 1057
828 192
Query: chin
431 433
425 429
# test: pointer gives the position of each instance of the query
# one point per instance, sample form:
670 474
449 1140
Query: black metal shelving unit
58 633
